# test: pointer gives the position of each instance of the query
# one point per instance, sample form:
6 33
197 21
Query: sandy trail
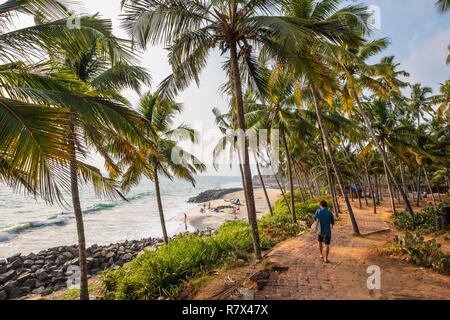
344 278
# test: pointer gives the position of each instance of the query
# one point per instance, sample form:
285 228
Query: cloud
426 59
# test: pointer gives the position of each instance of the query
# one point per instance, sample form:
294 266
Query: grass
74 294
165 272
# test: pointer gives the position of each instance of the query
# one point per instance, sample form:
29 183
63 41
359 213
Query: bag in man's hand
316 226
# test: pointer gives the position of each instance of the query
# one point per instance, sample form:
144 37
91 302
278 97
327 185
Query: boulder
23 277
28 263
13 257
31 256
11 289
3 269
5 277
68 255
41 275
38 290
126 257
15 264
39 262
3 295
30 283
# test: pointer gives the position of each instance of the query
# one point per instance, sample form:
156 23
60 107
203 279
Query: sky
419 37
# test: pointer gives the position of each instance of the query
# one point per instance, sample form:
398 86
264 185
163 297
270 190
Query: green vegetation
425 219
303 210
423 253
163 272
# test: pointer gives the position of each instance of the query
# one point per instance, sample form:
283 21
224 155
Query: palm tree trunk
283 192
291 180
336 194
159 202
251 209
388 181
419 196
302 198
263 185
384 157
374 201
337 172
359 198
329 179
430 188
84 291
402 173
377 188
242 176
390 191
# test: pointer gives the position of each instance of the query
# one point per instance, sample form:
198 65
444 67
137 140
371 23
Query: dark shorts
325 239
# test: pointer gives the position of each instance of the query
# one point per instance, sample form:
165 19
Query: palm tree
55 106
191 29
162 156
315 69
276 112
443 5
442 100
381 78
390 131
420 102
33 134
102 65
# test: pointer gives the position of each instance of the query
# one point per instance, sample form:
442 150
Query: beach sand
212 220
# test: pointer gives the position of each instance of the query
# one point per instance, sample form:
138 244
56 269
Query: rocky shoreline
47 271
212 195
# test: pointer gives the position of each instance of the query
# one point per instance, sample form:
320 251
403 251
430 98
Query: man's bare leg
327 251
320 248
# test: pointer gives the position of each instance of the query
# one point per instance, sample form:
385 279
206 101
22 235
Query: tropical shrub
425 219
304 210
164 271
423 253
278 228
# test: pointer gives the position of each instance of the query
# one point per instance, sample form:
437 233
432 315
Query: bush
304 210
424 219
278 228
424 253
164 271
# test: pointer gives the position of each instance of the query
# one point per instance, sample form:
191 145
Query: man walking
326 220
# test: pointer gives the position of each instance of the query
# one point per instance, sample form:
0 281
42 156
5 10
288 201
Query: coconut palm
442 100
443 5
316 71
33 135
420 102
382 78
101 64
192 29
162 156
391 133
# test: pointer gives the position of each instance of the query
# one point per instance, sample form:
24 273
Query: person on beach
185 222
326 221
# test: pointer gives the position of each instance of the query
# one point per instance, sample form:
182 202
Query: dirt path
344 278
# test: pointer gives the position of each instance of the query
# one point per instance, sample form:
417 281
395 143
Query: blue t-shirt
326 220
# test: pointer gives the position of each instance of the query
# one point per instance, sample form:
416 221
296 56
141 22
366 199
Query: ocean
30 225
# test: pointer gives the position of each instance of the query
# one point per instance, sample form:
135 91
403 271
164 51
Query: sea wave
13 231
61 219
